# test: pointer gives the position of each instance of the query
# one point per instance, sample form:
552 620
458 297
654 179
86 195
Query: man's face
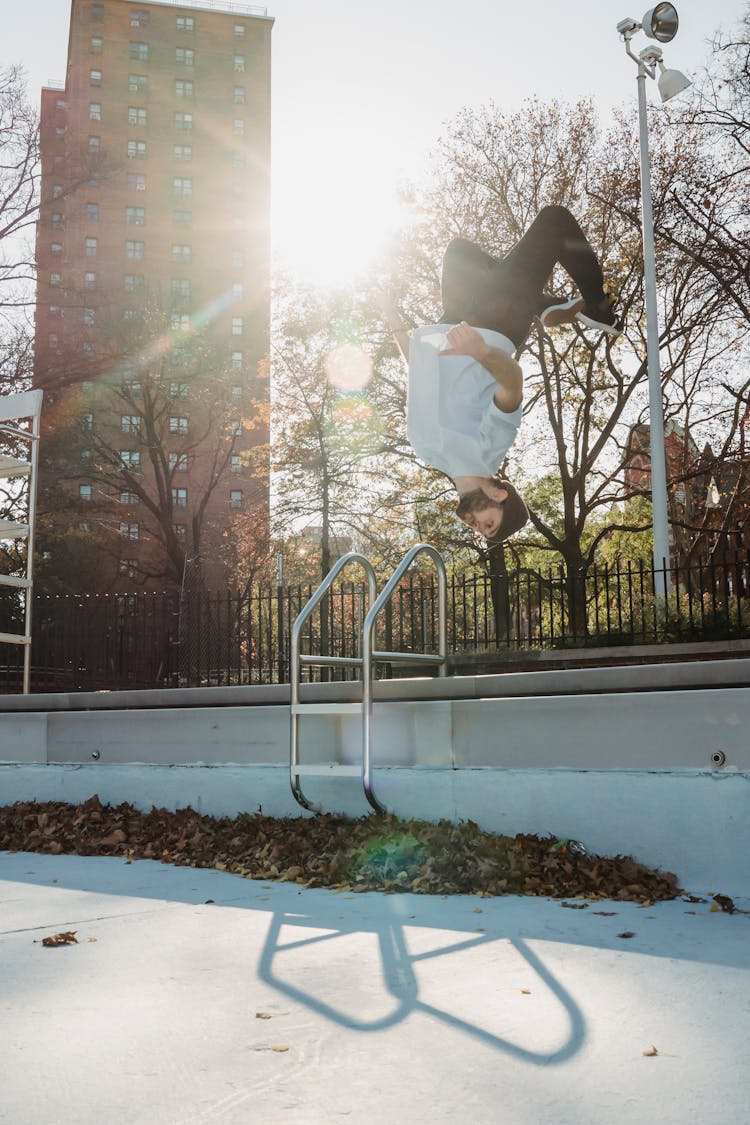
485 521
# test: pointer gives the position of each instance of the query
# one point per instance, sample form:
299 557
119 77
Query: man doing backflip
465 385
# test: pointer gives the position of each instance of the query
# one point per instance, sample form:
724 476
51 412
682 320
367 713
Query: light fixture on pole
659 23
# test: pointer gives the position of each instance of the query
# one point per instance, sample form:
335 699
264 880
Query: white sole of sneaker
599 325
565 306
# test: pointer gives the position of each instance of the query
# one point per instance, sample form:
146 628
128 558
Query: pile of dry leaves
373 853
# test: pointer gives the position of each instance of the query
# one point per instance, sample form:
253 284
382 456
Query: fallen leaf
627 933
208 902
281 1047
68 937
575 905
526 991
650 1051
262 1015
694 898
91 939
478 910
605 913
714 908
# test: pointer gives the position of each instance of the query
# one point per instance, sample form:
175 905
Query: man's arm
465 340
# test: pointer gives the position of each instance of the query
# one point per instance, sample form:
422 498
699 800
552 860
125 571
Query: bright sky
361 92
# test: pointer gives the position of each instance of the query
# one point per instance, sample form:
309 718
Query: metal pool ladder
365 661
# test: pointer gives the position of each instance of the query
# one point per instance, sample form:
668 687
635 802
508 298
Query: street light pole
655 398
660 23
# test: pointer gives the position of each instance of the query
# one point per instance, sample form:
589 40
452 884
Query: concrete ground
195 997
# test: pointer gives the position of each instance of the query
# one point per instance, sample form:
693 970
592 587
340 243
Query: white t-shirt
453 423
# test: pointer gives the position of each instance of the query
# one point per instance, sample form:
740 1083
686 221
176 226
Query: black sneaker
548 317
602 318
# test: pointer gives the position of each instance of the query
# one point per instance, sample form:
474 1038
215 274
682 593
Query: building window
128 497
138 51
95 78
56 191
95 44
235 498
57 219
239 64
238 258
131 387
130 531
130 459
238 126
182 218
182 152
237 326
178 462
238 95
238 290
235 464
178 357
236 393
85 492
180 322
180 531
178 425
137 83
53 341
128 568
97 13
55 280
136 181
183 88
92 212
137 116
139 18
238 159
130 423
179 497
87 422
134 282
182 185
56 247
179 390
235 427
60 131
181 252
95 111
186 23
89 280
88 348
134 248
183 122
90 247
55 310
87 386
95 144
135 216
237 360
89 317
184 56
181 287
136 150
239 31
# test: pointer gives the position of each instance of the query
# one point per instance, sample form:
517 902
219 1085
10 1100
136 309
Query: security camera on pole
659 23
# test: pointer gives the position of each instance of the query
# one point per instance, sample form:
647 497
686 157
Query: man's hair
515 512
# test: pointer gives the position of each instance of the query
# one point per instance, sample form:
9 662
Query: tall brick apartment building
153 292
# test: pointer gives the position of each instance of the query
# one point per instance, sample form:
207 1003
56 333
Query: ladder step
14 639
408 657
331 661
326 708
12 580
14 467
11 529
332 770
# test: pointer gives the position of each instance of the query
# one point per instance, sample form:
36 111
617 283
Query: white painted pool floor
275 1004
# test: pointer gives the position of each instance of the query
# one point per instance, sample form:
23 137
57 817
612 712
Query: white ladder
366 661
15 409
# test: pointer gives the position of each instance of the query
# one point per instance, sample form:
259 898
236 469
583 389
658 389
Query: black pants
506 294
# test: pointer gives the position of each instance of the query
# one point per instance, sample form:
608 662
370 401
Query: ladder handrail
368 630
368 656
295 662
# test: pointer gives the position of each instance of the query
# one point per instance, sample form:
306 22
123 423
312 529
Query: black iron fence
147 640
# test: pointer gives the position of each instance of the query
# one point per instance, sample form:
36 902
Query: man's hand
503 368
465 340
